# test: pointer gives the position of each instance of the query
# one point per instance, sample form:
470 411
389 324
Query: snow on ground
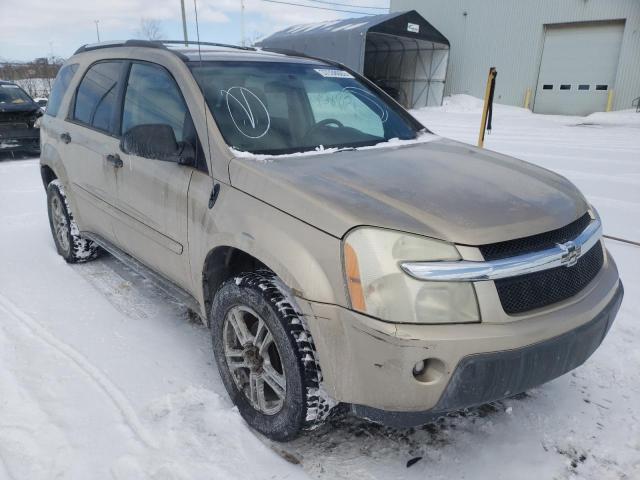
103 377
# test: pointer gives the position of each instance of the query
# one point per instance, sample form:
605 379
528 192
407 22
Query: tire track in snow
117 397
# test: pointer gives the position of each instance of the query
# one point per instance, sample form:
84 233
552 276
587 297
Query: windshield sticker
370 100
248 113
333 73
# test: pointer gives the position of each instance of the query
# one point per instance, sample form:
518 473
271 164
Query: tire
71 246
283 413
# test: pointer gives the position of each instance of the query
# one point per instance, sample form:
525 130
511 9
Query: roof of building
395 23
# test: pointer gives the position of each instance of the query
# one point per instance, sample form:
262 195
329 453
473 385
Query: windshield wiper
345 149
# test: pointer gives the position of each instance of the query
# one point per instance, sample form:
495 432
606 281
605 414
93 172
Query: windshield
13 94
278 108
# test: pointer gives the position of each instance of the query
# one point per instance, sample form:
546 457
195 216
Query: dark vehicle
19 114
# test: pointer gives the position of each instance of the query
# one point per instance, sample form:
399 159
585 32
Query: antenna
184 25
195 8
204 99
242 23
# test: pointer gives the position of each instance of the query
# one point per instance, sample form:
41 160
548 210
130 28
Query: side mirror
157 142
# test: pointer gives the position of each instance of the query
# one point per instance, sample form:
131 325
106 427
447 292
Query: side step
174 291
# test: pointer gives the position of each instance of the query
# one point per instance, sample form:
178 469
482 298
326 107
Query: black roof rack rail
123 43
160 44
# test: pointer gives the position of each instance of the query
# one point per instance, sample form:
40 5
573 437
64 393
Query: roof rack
160 44
121 43
208 44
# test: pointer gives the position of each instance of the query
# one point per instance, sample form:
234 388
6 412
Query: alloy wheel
60 223
254 360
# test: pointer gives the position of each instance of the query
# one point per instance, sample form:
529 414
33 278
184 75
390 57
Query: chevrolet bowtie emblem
570 253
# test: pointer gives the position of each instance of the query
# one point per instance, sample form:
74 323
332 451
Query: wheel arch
51 166
221 264
47 174
296 267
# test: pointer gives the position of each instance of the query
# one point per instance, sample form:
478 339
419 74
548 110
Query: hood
442 189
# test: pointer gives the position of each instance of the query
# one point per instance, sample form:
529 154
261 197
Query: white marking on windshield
369 99
252 110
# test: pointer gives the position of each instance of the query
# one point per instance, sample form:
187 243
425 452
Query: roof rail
120 43
208 44
160 44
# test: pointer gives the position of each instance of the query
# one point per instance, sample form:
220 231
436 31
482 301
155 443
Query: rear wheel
266 357
72 246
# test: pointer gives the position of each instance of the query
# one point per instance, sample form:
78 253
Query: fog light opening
429 370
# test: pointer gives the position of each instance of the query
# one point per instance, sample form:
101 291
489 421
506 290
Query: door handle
65 137
115 160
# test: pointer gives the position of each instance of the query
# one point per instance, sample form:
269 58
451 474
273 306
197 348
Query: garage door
578 68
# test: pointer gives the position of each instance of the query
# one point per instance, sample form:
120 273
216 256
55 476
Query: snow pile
468 104
621 118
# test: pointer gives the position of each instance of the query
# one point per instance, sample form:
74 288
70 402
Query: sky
41 28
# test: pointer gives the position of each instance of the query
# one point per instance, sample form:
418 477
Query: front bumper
487 377
20 139
369 363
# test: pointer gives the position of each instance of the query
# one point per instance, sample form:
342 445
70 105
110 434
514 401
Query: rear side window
97 96
60 85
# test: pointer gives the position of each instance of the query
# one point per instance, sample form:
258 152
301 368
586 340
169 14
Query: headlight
378 287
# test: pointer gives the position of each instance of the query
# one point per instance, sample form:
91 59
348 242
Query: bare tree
150 29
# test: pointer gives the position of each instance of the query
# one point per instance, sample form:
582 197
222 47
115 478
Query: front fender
306 259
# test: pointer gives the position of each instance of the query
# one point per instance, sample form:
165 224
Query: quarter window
97 96
60 85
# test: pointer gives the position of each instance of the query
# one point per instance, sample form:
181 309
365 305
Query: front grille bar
565 254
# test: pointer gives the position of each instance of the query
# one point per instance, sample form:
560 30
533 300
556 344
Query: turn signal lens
354 283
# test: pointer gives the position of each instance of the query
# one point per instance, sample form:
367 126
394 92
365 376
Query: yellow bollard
485 109
609 100
527 98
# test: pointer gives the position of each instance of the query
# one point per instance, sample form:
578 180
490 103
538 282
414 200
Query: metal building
401 52
574 56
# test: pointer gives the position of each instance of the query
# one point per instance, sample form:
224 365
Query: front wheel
266 357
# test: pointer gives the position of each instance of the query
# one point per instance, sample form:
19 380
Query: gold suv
339 251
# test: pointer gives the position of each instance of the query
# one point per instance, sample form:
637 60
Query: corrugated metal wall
509 34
